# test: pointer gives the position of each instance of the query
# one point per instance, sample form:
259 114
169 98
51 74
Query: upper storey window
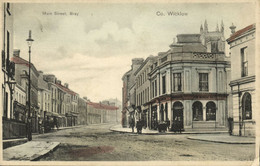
177 82
244 62
203 82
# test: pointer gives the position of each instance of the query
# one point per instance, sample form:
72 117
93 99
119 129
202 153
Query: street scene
129 82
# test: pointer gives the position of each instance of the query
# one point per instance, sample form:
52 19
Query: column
204 112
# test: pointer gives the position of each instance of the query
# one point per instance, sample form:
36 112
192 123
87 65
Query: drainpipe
239 107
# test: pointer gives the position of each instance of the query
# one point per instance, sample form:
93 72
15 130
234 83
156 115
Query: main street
98 143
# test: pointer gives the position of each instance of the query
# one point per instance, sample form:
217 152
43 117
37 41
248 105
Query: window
246 106
197 111
244 62
141 98
203 82
164 84
155 87
148 96
177 82
210 111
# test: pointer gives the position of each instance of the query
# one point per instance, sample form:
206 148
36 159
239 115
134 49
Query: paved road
98 143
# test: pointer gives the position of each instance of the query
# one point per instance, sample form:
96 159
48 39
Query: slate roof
66 89
21 61
240 32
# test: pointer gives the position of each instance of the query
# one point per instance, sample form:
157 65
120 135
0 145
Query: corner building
189 83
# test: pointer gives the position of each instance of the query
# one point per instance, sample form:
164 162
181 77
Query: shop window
210 111
197 111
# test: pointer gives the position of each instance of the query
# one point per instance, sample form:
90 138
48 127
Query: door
177 121
154 117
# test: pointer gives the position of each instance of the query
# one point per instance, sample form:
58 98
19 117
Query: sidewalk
13 142
224 138
119 128
206 135
29 151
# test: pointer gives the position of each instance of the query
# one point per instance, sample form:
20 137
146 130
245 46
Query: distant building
61 104
242 47
100 113
52 116
83 114
128 81
118 114
141 90
44 98
70 104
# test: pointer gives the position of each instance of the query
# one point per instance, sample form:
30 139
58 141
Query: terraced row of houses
195 84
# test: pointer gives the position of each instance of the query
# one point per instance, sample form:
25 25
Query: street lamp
29 129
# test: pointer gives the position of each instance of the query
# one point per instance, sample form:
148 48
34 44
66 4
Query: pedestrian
132 124
139 127
230 125
40 126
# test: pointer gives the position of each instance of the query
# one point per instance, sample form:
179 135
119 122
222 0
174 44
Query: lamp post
29 129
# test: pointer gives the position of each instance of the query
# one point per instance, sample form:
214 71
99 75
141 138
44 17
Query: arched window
210 111
197 111
246 106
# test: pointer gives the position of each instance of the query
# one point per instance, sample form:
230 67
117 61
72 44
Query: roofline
143 64
126 73
33 66
242 33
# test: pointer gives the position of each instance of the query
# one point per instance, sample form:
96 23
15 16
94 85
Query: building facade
98 113
83 114
188 84
69 104
242 48
142 90
44 99
21 78
7 74
128 82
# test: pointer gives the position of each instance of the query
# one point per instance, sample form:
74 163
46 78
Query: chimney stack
66 85
16 52
233 28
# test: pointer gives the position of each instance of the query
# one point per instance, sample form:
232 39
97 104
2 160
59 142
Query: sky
92 49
